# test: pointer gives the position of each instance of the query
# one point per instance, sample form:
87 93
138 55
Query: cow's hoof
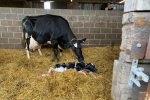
56 60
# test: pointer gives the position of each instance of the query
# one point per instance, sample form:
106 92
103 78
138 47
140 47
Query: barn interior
65 4
111 28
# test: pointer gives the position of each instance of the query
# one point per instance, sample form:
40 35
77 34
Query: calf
78 66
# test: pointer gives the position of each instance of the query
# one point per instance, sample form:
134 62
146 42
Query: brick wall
99 27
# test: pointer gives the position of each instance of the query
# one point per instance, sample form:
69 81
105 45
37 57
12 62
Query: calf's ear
83 40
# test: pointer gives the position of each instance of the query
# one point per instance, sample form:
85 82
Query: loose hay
18 75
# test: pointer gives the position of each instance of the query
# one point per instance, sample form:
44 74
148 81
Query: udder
33 44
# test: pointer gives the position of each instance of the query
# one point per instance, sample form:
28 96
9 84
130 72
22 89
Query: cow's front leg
55 54
55 49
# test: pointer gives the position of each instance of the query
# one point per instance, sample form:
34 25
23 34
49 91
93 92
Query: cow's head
76 47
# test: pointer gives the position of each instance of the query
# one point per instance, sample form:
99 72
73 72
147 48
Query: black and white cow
78 66
51 28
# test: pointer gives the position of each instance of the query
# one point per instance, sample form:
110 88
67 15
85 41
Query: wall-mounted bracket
136 75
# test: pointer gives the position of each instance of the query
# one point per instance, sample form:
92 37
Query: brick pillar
136 26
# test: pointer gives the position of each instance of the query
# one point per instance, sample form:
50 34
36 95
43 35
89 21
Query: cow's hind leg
40 53
60 52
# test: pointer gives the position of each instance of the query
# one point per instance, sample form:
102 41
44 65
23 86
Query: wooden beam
81 1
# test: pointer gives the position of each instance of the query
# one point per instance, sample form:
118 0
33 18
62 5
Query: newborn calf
79 66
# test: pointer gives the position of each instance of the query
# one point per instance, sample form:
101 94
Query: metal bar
140 74
141 69
134 65
136 82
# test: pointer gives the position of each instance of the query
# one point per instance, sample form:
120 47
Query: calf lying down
79 66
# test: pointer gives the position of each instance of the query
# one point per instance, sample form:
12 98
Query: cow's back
50 27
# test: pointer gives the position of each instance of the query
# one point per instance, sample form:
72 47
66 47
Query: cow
78 66
51 28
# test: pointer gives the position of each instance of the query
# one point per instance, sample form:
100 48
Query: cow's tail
22 39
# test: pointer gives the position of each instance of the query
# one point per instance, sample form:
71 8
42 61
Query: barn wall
99 27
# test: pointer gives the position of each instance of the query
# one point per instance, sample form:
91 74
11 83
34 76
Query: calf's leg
82 73
92 74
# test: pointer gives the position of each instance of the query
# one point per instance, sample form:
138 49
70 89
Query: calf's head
76 47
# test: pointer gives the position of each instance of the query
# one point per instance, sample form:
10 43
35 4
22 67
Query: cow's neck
71 37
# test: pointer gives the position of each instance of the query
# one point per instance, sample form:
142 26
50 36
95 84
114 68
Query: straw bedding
18 75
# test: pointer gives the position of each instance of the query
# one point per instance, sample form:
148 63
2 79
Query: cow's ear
83 40
67 45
